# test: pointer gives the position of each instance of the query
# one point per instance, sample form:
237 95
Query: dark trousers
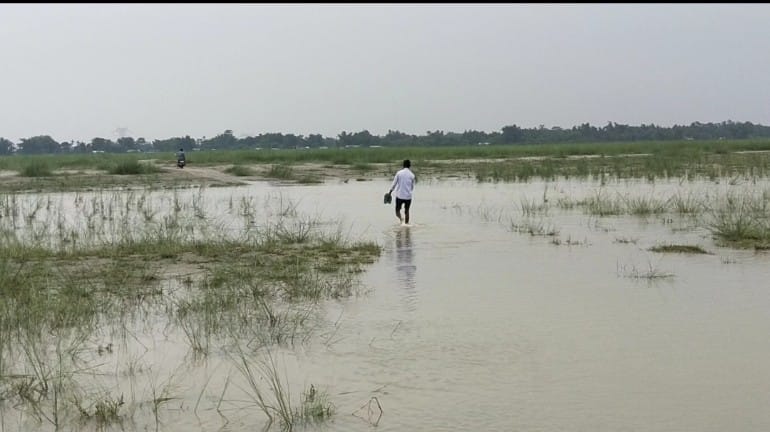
406 203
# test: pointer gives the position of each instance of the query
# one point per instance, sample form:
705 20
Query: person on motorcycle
180 159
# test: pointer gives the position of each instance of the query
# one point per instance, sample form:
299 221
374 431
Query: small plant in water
275 401
107 410
315 406
728 260
643 206
569 241
534 228
650 273
626 240
532 207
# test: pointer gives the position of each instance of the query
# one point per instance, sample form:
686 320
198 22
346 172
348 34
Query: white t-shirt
403 184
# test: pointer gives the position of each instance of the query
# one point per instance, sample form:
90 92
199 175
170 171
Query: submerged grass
601 205
690 249
534 228
741 220
63 279
274 401
271 393
649 273
104 412
256 281
315 406
645 206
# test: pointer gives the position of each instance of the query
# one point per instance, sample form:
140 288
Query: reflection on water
405 266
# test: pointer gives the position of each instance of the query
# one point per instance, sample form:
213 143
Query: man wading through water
403 184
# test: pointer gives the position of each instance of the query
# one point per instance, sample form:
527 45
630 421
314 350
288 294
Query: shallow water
471 326
468 325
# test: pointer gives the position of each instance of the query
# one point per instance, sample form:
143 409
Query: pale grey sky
79 71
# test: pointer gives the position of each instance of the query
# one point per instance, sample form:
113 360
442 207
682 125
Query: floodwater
466 324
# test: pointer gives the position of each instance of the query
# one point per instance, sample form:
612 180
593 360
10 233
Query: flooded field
537 306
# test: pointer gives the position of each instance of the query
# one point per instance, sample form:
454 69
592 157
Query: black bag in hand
388 199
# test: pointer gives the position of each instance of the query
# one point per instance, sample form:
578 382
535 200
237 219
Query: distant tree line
508 135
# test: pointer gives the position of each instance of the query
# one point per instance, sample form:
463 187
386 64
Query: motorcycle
180 163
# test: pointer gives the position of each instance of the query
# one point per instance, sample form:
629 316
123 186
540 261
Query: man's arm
393 185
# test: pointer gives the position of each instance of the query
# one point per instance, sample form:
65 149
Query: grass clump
271 393
61 281
534 228
686 204
283 172
309 179
601 205
315 406
132 167
650 273
741 220
240 171
107 410
362 167
692 249
36 168
266 388
645 206
533 207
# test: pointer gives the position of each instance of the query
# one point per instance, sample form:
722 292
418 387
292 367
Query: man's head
181 150
407 163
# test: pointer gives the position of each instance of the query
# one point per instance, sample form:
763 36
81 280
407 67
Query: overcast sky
80 71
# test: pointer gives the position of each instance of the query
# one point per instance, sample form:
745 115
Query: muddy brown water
465 324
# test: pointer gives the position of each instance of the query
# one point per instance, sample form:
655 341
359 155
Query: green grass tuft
240 171
283 172
36 168
132 167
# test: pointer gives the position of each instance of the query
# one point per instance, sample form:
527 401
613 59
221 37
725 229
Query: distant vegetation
129 167
645 159
508 135
36 168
